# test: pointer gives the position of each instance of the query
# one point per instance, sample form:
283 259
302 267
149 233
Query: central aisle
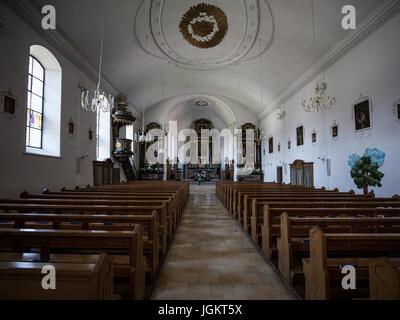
211 258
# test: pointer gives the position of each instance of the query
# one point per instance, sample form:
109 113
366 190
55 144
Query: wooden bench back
272 216
321 245
384 279
165 227
106 241
90 279
292 227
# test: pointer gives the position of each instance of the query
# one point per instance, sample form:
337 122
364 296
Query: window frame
29 103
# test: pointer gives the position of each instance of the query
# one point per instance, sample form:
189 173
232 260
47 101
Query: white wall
20 171
371 69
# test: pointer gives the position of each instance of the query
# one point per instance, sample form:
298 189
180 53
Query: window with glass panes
35 100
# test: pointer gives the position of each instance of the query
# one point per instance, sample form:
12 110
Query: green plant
365 173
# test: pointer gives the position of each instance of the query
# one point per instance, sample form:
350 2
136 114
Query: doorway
279 175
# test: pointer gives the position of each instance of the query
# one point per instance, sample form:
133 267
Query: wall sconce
78 162
322 158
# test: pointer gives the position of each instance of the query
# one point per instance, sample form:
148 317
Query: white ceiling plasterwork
248 21
287 65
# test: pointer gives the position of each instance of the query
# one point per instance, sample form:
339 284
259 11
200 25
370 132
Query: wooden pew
240 203
225 190
384 279
96 209
169 200
320 268
128 264
276 190
92 222
90 277
173 209
257 217
180 189
260 200
294 228
254 204
271 226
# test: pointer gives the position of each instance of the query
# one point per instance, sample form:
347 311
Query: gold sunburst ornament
204 26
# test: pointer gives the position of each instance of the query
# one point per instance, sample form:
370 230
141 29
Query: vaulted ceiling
232 68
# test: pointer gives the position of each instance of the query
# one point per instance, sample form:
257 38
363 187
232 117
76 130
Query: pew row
126 247
322 271
271 227
93 222
96 209
84 278
294 230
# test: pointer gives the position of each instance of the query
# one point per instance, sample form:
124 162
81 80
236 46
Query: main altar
211 171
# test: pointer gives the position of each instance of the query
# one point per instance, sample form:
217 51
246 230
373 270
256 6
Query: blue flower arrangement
376 155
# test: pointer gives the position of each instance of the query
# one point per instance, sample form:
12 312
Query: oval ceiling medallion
204 26
201 103
229 30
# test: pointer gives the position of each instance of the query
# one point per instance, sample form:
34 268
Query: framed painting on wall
300 135
8 103
271 145
314 136
71 126
362 114
334 133
396 110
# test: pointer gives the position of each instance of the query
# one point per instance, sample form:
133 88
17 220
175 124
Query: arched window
43 106
35 100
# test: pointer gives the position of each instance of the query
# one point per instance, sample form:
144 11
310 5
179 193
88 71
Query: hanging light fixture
143 137
261 133
100 101
321 101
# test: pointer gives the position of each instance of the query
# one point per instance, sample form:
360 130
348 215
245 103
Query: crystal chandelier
100 101
320 102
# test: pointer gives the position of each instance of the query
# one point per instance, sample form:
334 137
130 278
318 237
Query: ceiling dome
205 36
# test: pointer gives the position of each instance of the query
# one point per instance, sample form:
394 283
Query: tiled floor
210 258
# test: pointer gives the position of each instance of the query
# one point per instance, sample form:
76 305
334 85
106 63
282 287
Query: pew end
384 279
315 271
24 194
